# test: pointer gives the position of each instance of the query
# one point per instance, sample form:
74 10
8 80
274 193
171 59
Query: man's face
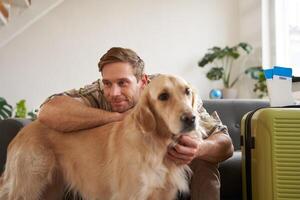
121 88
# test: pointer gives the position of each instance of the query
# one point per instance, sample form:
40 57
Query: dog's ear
195 100
145 116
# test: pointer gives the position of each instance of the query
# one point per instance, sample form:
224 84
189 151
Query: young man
111 98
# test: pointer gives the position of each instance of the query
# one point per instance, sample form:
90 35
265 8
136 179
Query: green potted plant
20 111
221 60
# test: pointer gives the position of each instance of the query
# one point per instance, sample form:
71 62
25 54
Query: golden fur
124 160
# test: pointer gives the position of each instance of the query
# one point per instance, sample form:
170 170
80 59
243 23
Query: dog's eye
164 96
188 91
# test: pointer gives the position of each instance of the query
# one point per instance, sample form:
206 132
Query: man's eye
121 83
164 96
188 91
106 84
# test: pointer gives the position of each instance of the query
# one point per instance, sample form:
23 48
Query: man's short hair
119 54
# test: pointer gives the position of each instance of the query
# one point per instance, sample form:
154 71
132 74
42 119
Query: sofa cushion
231 179
231 113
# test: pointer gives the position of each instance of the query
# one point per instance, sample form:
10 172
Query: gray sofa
230 112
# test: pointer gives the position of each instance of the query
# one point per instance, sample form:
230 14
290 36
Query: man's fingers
185 150
176 160
188 141
180 156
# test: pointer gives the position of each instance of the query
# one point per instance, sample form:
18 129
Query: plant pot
229 93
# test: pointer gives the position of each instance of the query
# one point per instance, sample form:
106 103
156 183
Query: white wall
61 50
250 12
21 17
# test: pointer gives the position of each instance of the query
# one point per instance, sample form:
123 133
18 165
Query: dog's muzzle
188 121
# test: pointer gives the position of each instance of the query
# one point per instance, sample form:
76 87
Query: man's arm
64 113
216 148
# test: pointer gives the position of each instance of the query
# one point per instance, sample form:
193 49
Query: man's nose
115 90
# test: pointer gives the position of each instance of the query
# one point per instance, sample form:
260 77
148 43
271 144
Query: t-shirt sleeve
210 123
91 95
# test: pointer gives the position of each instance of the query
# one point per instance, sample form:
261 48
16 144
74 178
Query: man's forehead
117 69
122 78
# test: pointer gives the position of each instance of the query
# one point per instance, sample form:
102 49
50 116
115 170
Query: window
287 34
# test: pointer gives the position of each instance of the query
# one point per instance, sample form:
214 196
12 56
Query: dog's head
168 106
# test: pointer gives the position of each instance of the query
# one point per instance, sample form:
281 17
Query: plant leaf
33 114
5 109
247 47
21 109
254 71
3 115
208 58
234 54
215 73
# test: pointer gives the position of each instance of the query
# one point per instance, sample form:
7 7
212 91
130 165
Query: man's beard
129 105
122 109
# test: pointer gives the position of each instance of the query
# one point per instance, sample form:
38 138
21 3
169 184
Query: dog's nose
188 120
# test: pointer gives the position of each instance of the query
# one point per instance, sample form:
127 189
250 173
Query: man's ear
144 81
144 116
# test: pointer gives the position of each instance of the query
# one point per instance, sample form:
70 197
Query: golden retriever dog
123 160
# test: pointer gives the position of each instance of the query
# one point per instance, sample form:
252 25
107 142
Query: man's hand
185 151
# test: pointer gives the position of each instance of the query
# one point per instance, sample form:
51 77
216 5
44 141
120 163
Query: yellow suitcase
270 140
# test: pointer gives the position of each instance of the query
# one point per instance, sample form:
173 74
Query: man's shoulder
94 87
91 94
